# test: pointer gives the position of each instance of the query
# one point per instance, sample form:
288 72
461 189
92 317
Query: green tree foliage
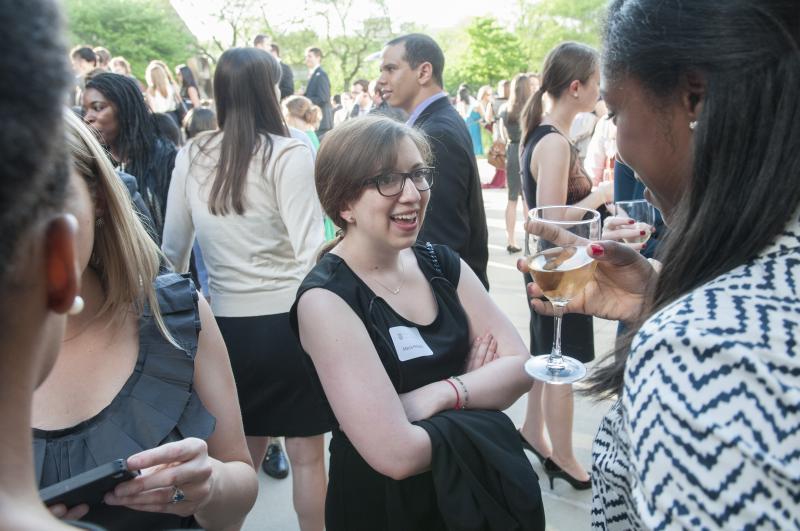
350 37
346 32
492 53
139 30
544 24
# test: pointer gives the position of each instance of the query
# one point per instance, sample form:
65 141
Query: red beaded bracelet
458 397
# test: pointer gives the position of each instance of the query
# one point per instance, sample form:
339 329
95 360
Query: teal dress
473 121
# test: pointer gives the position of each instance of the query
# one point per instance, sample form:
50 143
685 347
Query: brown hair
303 109
520 92
567 62
248 113
354 151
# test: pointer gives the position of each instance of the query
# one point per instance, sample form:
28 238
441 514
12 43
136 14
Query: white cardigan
257 260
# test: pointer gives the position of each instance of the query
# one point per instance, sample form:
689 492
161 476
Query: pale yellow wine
562 272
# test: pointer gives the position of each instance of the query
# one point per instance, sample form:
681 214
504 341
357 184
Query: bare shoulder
318 302
553 143
551 151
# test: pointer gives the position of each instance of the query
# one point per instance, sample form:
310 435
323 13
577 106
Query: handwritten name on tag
408 343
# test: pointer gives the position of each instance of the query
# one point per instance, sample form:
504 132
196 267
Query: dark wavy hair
33 162
147 154
744 183
247 112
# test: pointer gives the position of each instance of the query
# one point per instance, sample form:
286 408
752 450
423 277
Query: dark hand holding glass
619 284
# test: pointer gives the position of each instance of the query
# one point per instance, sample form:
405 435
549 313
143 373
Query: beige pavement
566 508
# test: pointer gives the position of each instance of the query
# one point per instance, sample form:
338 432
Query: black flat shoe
275 464
512 249
554 471
526 445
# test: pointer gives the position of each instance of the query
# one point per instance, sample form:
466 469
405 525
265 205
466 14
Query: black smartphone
88 487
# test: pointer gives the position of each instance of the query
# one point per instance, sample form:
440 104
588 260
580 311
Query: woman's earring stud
693 125
77 306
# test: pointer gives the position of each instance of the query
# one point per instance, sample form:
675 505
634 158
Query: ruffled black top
157 405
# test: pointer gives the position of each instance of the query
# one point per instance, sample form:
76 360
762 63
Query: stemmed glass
558 258
642 212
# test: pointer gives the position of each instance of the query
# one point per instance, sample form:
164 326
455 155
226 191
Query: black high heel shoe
554 471
527 446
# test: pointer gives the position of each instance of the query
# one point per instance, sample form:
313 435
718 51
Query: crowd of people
186 281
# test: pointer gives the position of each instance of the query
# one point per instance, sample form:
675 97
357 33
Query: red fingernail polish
642 233
631 221
597 250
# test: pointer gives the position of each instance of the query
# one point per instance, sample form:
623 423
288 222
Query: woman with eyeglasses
246 191
398 332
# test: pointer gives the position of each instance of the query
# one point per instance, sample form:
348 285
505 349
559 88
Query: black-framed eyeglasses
391 184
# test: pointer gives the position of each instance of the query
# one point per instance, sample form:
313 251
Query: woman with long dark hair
188 87
115 107
706 430
246 191
511 131
552 175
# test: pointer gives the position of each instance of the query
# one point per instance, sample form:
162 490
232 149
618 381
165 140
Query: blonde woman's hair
158 78
303 109
124 255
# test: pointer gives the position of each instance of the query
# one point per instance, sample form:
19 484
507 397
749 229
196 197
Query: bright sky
436 14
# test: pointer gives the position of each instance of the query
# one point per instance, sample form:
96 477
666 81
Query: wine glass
558 258
642 212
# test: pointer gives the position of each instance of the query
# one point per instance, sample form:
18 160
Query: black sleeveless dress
157 405
358 496
577 331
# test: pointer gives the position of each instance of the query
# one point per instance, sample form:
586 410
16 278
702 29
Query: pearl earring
693 125
77 306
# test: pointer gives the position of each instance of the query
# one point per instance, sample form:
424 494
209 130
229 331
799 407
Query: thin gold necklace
402 280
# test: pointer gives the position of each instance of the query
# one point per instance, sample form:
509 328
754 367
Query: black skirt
275 390
577 334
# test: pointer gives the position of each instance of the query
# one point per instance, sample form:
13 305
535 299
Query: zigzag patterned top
707 432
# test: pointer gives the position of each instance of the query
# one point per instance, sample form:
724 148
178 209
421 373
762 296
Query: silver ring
177 495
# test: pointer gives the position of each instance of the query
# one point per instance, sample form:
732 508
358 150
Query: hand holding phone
176 468
87 487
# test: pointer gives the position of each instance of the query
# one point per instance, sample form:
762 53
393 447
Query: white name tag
408 343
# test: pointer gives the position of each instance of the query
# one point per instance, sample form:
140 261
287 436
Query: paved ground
566 508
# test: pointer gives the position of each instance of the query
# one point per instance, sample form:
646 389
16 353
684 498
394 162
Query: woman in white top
162 96
247 191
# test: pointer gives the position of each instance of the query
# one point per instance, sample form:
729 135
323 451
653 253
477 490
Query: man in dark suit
319 89
411 79
286 85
